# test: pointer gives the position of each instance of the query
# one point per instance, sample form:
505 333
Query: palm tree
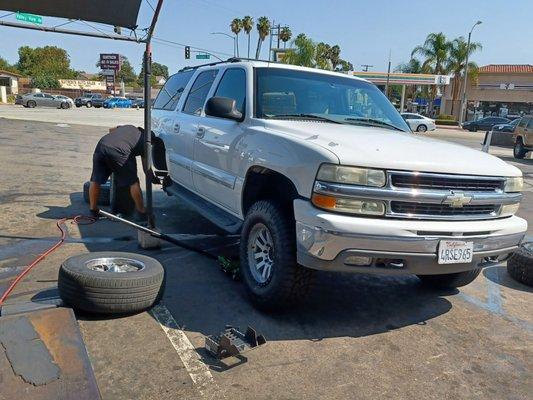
285 35
456 64
322 55
435 51
263 29
413 66
248 25
236 27
334 56
303 52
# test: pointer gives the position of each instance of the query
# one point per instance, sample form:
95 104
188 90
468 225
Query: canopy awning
111 12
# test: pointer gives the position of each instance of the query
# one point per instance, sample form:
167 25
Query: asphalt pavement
358 337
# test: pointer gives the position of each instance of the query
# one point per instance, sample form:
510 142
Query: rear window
169 95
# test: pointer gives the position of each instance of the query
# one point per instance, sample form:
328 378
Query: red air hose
78 220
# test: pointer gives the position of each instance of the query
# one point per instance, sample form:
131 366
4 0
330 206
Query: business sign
108 72
81 84
110 84
34 19
110 61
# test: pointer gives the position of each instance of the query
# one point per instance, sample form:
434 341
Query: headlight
352 206
509 209
515 184
352 175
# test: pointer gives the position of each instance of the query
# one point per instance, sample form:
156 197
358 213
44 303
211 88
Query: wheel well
158 153
265 184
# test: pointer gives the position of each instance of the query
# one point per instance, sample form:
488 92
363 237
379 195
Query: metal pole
402 101
388 76
147 64
462 111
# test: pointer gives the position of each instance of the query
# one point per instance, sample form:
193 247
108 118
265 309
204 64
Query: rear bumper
325 241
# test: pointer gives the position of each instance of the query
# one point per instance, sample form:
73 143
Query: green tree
49 61
285 35
236 27
44 82
413 66
126 73
456 64
302 53
6 66
248 25
157 70
263 30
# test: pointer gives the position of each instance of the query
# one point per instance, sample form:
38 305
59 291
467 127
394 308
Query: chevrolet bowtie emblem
457 200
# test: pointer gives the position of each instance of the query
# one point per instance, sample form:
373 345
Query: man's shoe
140 218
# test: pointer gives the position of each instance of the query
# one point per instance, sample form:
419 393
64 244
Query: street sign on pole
34 19
202 56
110 61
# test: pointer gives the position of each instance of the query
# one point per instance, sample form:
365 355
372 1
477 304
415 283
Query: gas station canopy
116 12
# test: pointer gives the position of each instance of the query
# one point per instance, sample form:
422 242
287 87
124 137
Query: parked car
32 100
523 137
419 123
137 102
66 99
117 102
510 127
18 99
317 170
98 102
87 99
484 124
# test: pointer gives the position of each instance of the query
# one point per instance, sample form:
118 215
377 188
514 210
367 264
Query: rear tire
519 151
110 292
89 104
447 281
286 282
104 199
31 104
421 128
520 265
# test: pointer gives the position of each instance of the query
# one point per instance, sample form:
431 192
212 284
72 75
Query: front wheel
89 104
31 104
422 128
447 281
269 270
519 150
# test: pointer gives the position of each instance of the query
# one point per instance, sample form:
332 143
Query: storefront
499 90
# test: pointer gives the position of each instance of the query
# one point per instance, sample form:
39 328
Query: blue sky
365 30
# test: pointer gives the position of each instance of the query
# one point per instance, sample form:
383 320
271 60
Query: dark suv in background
89 99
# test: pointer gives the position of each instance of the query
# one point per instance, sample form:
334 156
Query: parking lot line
198 371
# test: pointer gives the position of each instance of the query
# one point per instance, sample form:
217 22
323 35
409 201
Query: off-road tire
519 151
104 198
422 128
447 281
110 292
289 282
520 265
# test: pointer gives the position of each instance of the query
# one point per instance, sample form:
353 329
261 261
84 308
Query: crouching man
116 153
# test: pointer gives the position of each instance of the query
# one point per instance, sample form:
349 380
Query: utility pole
462 111
366 67
274 31
388 76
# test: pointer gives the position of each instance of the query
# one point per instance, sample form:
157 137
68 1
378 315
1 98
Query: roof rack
229 60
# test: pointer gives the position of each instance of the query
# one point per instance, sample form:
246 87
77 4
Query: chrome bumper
328 250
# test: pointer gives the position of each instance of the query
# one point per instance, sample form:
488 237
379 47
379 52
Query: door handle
200 133
176 128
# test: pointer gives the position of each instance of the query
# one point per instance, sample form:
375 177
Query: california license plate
455 252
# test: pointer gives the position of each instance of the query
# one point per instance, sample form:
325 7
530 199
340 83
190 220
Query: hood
388 149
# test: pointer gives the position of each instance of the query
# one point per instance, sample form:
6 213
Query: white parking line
198 371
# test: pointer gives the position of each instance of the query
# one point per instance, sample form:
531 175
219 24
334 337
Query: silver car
67 99
32 100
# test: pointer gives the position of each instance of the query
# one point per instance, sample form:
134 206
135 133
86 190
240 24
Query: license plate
455 252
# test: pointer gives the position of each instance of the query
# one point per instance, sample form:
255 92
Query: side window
39 95
170 94
233 85
48 96
198 93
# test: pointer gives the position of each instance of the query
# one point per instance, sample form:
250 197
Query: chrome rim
115 264
422 128
260 253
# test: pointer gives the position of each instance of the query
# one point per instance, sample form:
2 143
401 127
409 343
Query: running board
216 215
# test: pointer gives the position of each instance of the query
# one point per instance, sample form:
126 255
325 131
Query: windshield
283 93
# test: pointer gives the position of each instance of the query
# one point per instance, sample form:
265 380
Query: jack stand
232 342
147 241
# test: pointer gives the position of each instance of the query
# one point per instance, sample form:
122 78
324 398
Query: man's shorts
104 164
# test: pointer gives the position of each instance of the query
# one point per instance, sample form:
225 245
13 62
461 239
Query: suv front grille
435 182
429 210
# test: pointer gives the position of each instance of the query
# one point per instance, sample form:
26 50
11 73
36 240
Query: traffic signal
187 52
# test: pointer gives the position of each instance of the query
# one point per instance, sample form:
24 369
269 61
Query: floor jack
231 341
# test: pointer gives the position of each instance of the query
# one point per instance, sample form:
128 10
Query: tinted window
48 96
170 94
198 93
233 85
39 95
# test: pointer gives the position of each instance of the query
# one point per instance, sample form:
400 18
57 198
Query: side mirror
223 107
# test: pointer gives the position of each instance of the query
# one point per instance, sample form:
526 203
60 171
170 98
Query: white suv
317 170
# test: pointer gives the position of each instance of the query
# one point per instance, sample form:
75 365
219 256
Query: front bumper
325 240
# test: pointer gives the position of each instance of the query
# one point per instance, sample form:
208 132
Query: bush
446 117
44 82
446 122
11 99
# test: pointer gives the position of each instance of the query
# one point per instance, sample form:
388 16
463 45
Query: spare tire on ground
104 199
110 282
520 265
